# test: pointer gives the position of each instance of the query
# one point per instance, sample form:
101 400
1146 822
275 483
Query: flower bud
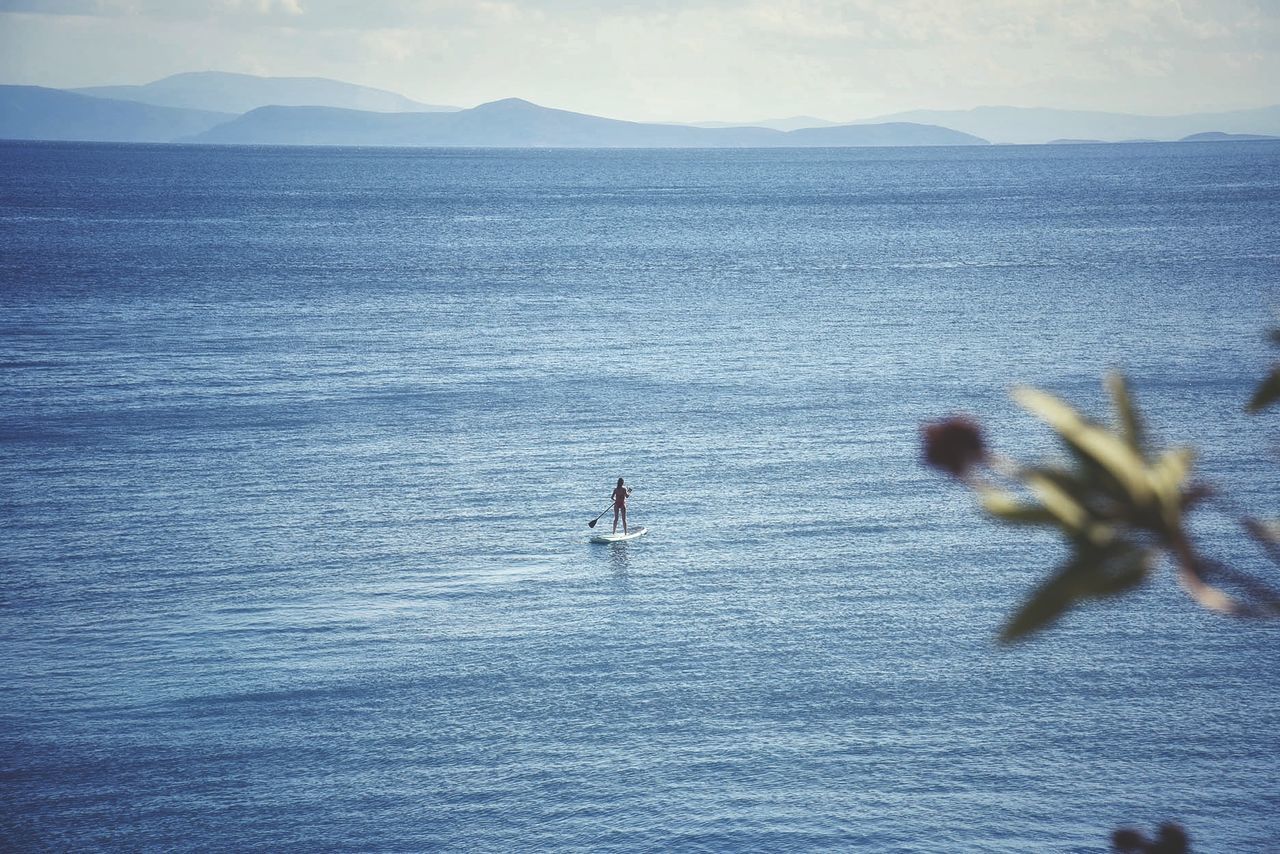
1126 840
954 445
1172 839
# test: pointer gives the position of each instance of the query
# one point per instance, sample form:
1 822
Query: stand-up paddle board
635 534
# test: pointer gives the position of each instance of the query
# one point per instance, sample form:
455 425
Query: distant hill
1037 125
519 124
215 106
885 134
1099 141
791 123
34 112
224 92
1218 136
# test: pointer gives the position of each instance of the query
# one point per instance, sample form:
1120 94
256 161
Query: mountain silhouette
224 92
223 107
1219 136
34 112
789 123
517 123
1037 125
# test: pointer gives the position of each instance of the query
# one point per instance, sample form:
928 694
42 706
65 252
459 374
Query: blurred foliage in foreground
1269 392
1120 505
1170 839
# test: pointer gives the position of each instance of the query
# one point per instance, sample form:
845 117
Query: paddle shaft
592 523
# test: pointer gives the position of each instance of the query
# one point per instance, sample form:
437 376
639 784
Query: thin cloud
696 59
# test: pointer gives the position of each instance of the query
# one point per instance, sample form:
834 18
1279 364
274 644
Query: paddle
592 523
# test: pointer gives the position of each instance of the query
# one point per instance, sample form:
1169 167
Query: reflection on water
298 446
619 558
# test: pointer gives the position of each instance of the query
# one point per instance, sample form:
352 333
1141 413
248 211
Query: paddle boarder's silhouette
620 494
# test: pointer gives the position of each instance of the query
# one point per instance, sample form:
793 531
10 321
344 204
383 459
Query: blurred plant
1120 506
1269 392
1170 839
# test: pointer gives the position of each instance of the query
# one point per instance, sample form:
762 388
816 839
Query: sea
299 447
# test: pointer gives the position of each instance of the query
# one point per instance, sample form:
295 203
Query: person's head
619 481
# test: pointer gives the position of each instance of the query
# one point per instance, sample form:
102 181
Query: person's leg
615 521
624 519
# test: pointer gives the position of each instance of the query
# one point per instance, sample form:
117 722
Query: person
620 494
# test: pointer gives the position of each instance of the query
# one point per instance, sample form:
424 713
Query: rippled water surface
298 447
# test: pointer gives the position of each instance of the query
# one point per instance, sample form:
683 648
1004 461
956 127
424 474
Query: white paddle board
634 534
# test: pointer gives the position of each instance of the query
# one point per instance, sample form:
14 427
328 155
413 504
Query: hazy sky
682 61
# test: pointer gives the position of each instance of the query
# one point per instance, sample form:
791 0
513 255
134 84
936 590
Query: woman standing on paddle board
620 494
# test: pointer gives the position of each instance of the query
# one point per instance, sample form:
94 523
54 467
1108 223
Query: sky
697 60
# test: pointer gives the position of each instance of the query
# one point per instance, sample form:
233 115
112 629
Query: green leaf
1267 393
1071 513
1122 572
1107 450
1093 573
1092 480
1168 476
1264 530
1189 576
1130 421
1048 603
1011 509
1065 479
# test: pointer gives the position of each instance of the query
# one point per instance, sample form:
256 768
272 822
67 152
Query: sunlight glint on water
298 447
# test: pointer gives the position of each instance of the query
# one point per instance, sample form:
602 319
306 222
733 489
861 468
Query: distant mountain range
518 124
222 92
34 112
1215 136
217 107
792 123
1038 125
1211 136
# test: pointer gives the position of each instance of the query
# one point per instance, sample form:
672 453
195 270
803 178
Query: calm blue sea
298 447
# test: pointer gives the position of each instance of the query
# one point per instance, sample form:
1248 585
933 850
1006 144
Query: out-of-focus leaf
1264 530
1092 479
1123 571
1065 479
1167 478
1130 421
1204 593
1263 598
1060 504
1045 605
1171 470
1265 533
1108 450
1010 508
1091 573
1267 393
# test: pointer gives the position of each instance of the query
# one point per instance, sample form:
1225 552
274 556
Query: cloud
663 59
900 23
51 7
391 45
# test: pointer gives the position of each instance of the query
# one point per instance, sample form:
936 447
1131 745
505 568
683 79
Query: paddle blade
592 523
